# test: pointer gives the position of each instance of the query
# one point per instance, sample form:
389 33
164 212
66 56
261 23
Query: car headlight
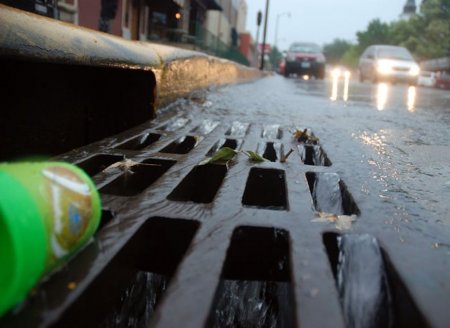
414 71
384 67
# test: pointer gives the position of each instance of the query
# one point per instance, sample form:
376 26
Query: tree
436 29
376 33
275 57
408 34
351 57
336 50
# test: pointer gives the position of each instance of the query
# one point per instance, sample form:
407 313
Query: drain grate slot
330 194
266 188
272 151
230 143
129 289
175 124
272 132
314 155
237 129
140 142
370 290
98 163
200 185
182 145
138 178
206 127
255 289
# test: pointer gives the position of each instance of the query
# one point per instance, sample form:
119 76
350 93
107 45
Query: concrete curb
178 72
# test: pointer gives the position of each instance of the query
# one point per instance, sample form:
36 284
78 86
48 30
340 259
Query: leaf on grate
127 164
254 157
342 222
305 137
223 154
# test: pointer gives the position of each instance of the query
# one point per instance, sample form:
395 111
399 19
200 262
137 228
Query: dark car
304 58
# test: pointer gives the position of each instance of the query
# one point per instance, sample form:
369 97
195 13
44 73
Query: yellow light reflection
346 84
335 80
382 95
412 94
306 77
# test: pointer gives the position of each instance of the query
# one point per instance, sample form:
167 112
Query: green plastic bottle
48 210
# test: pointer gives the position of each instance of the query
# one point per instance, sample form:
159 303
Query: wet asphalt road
390 144
393 138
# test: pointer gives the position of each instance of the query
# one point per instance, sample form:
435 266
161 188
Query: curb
178 72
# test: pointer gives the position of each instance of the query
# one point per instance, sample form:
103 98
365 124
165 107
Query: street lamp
288 14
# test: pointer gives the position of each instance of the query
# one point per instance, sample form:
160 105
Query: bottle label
70 199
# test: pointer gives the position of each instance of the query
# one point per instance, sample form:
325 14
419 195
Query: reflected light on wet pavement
411 103
346 84
336 74
382 95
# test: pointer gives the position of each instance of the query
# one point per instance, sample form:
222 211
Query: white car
427 79
388 63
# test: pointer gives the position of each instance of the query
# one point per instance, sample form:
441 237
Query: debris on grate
133 182
96 164
222 143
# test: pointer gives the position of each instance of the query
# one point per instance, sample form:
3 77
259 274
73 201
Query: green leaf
253 156
223 154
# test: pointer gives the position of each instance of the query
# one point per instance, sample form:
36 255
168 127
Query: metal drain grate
183 245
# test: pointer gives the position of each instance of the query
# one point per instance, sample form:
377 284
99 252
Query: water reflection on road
381 92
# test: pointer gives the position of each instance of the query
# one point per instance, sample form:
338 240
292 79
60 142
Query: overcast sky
320 21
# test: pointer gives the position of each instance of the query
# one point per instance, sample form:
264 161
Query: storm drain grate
224 244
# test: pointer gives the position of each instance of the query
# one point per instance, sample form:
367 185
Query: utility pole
264 35
275 41
258 24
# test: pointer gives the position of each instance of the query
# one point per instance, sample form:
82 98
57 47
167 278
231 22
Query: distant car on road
305 58
388 63
426 79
